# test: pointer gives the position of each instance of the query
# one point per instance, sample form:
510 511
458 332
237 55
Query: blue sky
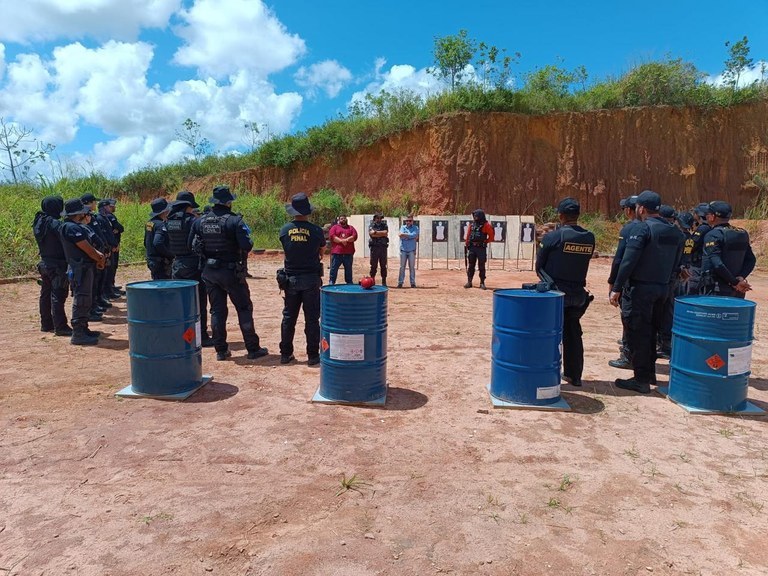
109 82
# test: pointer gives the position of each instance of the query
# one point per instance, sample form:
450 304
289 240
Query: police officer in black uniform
664 343
82 261
728 257
302 277
378 242
695 254
159 255
629 206
224 240
104 241
479 235
650 263
54 286
107 209
563 258
186 262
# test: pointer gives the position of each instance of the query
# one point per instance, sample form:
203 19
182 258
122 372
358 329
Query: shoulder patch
149 226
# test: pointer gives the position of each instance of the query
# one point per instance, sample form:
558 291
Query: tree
738 60
192 137
452 55
495 66
252 134
20 150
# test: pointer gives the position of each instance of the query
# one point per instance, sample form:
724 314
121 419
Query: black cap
158 206
569 206
721 209
702 209
186 197
74 207
222 195
630 202
299 205
667 211
107 202
686 220
649 200
88 198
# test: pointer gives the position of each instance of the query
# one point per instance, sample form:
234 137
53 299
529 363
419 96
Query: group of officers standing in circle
661 254
80 252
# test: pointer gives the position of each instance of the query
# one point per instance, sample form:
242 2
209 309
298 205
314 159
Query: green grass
264 213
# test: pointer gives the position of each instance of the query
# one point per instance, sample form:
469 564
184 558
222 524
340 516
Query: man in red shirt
342 237
479 234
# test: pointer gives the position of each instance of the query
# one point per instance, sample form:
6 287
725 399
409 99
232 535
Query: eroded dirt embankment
512 163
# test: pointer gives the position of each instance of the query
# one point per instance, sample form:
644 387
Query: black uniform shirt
564 255
379 226
155 239
625 233
72 233
302 242
651 256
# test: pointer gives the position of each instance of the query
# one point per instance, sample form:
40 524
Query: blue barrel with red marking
164 338
711 352
353 345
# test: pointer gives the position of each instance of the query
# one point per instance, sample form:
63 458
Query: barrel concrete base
559 406
128 392
750 409
322 400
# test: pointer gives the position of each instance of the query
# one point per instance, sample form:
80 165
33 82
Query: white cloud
747 76
400 77
225 36
2 61
40 20
106 88
327 75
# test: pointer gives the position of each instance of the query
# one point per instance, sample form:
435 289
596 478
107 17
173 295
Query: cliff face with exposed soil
513 164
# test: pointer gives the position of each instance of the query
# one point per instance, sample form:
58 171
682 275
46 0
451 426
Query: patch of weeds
679 524
726 432
522 518
566 483
679 488
492 500
633 453
162 516
653 471
684 457
752 504
353 483
555 503
495 517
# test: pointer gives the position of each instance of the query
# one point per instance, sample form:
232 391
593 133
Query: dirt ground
244 478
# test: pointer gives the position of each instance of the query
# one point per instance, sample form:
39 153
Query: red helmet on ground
367 282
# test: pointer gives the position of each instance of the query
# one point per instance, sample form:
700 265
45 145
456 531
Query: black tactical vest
660 254
570 260
218 242
476 235
697 249
47 237
735 247
178 225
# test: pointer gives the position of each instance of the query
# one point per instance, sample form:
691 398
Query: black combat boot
80 337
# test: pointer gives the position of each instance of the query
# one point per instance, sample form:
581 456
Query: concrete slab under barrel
749 409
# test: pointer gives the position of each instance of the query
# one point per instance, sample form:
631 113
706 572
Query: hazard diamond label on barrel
324 345
189 335
715 362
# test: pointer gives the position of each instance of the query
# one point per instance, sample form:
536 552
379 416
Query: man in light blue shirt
409 237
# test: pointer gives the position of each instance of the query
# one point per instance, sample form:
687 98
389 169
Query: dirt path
243 478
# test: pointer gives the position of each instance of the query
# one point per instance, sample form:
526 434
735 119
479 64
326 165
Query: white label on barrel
198 338
347 346
739 360
547 393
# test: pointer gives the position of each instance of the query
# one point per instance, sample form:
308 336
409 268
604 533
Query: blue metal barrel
353 345
711 352
525 350
164 336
